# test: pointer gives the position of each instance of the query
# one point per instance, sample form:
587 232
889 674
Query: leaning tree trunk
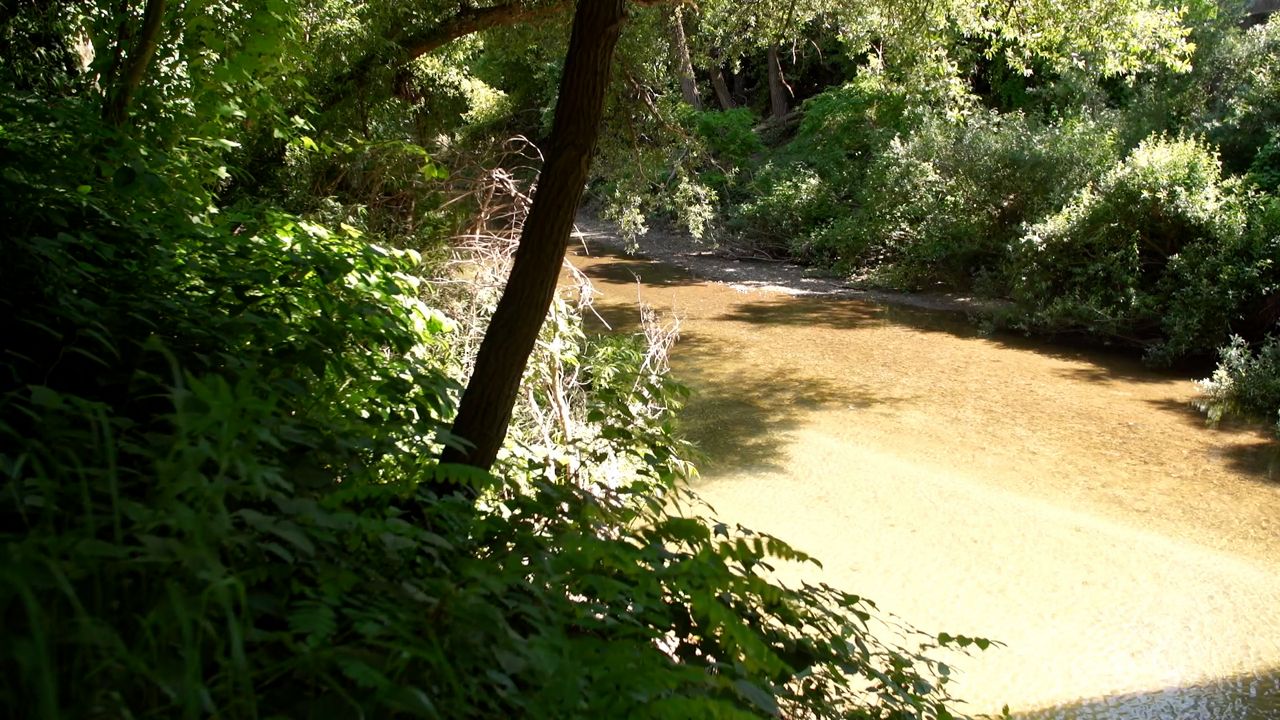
777 92
680 54
720 86
485 409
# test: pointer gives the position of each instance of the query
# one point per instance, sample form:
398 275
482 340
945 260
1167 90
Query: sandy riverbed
1070 504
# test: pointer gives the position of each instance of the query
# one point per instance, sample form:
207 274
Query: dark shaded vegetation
234 348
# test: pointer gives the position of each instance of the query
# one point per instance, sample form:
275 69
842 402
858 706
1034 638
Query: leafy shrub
1243 105
1229 286
792 200
1246 381
730 134
1264 172
219 493
1231 96
808 185
844 128
1102 264
387 189
943 204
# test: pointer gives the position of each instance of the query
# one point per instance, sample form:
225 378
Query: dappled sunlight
1069 503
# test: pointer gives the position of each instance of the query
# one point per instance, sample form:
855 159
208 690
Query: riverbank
681 250
1068 503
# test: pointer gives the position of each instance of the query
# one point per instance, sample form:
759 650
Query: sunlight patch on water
1071 505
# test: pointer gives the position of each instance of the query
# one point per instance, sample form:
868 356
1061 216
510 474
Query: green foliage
809 184
219 424
34 46
1110 260
793 198
943 204
730 134
1226 286
805 196
1264 171
844 128
385 189
1243 109
733 148
1246 381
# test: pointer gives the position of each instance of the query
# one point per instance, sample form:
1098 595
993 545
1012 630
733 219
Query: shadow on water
840 314
1254 696
1100 363
648 272
1258 456
739 417
752 393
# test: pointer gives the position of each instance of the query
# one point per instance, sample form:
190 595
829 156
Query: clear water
1072 505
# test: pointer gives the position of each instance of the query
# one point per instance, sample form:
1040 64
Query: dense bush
793 199
809 183
1246 381
1111 260
1242 97
730 134
1224 287
943 204
219 493
1264 171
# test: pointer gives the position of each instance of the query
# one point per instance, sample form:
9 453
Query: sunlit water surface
1069 504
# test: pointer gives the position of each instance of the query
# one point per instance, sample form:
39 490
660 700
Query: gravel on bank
707 262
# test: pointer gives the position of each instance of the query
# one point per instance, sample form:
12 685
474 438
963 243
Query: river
1069 504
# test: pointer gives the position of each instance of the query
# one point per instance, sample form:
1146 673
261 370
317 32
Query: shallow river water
1068 504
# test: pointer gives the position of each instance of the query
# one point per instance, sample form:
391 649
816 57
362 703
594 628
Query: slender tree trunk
680 54
110 75
122 89
486 404
723 96
777 92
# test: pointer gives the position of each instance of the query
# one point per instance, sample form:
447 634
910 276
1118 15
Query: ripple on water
1249 697
1067 503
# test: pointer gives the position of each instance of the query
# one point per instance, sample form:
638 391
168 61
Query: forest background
252 250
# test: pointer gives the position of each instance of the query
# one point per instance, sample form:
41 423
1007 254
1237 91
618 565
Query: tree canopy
294 422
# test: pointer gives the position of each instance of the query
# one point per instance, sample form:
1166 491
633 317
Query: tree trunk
485 409
122 89
777 92
723 96
680 54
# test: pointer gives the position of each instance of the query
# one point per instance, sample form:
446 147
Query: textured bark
122 89
680 55
723 96
485 410
777 92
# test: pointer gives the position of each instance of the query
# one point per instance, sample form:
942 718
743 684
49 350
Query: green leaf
758 697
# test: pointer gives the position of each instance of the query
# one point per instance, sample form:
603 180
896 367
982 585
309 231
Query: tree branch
475 19
413 44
